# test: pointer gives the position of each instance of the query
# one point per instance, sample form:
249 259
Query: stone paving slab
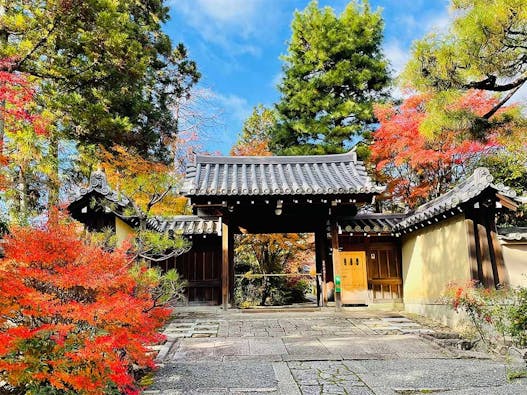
421 376
197 328
314 326
264 346
209 377
289 348
327 377
306 345
312 353
231 346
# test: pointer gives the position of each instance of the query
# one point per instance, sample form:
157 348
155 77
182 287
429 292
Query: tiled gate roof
277 175
99 185
452 200
186 225
370 223
513 234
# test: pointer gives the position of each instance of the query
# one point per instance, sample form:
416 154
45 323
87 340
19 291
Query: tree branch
502 102
157 198
40 42
489 84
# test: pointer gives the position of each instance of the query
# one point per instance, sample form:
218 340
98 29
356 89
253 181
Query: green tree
334 71
104 68
508 166
256 131
484 48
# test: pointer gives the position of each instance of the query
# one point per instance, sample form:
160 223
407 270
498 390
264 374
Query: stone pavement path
323 352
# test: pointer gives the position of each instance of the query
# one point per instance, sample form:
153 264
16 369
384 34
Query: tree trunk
21 188
53 178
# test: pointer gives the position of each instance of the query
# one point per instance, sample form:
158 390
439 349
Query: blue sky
237 45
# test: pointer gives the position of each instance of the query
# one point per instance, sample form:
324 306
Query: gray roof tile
471 187
186 225
452 200
370 223
277 175
99 185
513 234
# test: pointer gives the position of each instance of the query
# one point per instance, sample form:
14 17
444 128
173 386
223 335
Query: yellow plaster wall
433 257
515 258
122 230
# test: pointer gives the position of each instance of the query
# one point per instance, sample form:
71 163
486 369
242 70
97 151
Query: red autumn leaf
72 314
417 168
17 109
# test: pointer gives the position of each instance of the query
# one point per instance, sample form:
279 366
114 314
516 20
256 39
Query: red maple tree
73 317
418 167
17 108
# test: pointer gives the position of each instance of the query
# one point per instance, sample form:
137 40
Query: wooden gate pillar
227 263
502 275
321 259
487 265
334 258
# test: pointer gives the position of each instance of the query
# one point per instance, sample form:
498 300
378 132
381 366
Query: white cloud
215 117
230 11
233 106
438 23
396 55
398 52
230 24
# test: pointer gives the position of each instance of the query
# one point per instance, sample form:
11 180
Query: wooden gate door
354 279
201 267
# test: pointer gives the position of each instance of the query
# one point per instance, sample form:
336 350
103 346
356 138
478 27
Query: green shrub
494 313
271 291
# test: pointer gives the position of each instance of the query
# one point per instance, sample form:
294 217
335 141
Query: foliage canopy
418 167
333 73
484 48
74 318
105 68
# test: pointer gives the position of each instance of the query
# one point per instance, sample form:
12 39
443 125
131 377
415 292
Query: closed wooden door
353 275
201 267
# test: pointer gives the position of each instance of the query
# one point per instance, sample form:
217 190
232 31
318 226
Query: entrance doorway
274 269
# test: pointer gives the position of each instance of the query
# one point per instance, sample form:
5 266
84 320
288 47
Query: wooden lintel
386 281
507 202
211 205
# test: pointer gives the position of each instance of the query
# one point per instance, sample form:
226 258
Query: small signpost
338 292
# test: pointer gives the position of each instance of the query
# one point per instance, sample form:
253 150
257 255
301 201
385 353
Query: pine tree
333 74
483 48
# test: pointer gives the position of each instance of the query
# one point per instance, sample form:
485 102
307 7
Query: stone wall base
441 313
